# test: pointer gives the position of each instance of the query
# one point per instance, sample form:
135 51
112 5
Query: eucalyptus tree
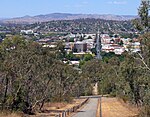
92 72
31 75
143 22
143 12
24 72
64 79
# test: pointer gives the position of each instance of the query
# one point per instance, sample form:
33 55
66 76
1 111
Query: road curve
89 110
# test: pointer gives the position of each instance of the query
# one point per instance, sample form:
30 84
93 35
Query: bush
145 111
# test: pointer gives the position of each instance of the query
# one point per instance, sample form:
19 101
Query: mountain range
64 16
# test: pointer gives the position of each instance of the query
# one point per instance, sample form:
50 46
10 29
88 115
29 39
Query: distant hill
88 25
65 16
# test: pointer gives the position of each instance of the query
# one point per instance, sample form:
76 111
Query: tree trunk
5 93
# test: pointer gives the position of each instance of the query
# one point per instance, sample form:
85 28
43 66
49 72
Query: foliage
71 40
143 13
87 57
31 75
126 76
93 50
142 24
70 56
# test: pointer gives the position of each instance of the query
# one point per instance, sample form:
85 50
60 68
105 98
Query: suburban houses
114 44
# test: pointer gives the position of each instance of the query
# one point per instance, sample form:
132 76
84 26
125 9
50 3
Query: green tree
60 52
87 57
31 75
142 24
92 71
143 13
70 56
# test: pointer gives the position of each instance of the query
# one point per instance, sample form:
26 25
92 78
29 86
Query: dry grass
8 114
47 106
57 106
54 106
98 109
62 105
112 107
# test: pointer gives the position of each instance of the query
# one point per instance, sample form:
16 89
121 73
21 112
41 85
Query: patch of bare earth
112 107
10 115
98 109
51 109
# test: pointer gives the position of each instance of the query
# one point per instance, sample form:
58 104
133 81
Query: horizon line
70 13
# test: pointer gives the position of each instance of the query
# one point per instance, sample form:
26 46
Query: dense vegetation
126 76
31 75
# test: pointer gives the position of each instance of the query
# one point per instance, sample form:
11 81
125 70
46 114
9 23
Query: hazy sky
17 8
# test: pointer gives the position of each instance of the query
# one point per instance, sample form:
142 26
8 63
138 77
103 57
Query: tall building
80 47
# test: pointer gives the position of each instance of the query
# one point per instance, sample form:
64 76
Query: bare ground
112 107
48 107
11 114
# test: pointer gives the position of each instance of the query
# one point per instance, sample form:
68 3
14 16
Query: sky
18 8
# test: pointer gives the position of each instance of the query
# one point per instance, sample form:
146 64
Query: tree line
125 76
31 75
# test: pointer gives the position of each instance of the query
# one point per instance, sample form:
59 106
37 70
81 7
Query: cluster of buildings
114 44
84 43
81 43
119 45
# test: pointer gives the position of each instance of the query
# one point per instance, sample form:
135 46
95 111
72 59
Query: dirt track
111 107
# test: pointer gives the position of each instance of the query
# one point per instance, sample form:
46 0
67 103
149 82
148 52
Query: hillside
83 26
64 16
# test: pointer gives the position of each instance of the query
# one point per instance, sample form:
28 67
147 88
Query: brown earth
63 106
113 107
48 107
11 115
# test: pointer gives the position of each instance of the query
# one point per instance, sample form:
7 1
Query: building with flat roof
80 47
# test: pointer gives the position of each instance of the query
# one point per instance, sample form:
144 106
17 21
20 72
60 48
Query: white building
27 31
105 39
90 44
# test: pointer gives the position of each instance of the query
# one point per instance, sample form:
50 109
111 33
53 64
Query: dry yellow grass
57 106
62 106
10 115
47 106
112 107
98 109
